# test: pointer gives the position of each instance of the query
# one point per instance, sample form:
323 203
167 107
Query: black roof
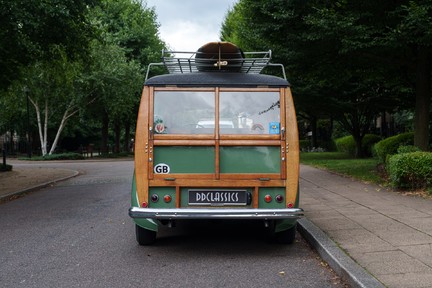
217 79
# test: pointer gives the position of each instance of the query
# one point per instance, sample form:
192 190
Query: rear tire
286 236
144 236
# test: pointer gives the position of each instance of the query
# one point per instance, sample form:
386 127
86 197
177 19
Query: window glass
181 112
249 113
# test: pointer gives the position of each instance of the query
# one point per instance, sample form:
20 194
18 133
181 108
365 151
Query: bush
304 145
368 142
347 144
407 149
411 170
328 145
62 156
5 168
390 145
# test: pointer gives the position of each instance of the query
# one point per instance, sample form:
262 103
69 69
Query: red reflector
267 198
144 205
279 198
290 205
167 198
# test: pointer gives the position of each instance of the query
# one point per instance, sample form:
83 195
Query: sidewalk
388 234
25 179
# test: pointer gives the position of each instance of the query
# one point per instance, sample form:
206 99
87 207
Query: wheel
144 236
286 236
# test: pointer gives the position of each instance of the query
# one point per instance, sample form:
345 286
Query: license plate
218 197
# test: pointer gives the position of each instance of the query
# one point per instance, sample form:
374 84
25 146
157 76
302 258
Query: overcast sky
186 25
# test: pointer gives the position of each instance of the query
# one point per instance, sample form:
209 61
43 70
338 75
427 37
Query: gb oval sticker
161 168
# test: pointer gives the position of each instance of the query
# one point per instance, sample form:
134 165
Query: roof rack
180 62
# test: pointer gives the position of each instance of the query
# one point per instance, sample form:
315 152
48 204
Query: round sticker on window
159 128
161 168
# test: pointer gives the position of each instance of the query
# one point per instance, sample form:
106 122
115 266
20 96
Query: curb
4 198
341 263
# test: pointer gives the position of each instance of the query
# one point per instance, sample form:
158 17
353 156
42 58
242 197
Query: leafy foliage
407 149
128 42
345 59
390 145
33 28
347 144
5 168
61 156
411 170
89 63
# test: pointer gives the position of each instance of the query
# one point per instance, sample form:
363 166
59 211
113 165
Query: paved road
78 234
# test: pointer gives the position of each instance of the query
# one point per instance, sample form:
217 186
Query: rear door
215 138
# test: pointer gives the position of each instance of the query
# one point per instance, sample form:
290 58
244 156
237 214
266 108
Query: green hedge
390 145
411 170
304 145
347 144
61 156
5 168
407 149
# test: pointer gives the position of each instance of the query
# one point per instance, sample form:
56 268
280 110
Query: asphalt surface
76 233
371 236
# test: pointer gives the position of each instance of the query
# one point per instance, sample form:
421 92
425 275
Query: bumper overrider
225 213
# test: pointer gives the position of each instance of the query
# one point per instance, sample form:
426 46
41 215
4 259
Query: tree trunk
39 123
423 99
57 137
358 142
117 132
45 130
127 137
313 122
66 116
383 125
105 123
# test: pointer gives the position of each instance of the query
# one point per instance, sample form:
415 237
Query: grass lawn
362 169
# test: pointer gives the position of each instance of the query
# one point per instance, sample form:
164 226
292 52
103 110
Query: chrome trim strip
186 213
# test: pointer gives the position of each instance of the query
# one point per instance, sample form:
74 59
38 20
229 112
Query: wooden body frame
145 141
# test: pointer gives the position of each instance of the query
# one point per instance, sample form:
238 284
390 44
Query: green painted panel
272 191
149 224
186 159
161 192
244 159
134 196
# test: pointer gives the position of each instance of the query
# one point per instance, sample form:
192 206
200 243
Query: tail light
267 198
167 198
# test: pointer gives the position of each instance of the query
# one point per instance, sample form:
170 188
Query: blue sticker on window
274 128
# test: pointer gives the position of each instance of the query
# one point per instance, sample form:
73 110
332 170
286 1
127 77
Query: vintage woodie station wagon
216 139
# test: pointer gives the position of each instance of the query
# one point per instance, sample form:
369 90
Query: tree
114 82
338 51
55 93
73 54
33 27
396 36
131 27
411 38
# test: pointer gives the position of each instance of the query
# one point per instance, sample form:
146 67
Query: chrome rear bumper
186 213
